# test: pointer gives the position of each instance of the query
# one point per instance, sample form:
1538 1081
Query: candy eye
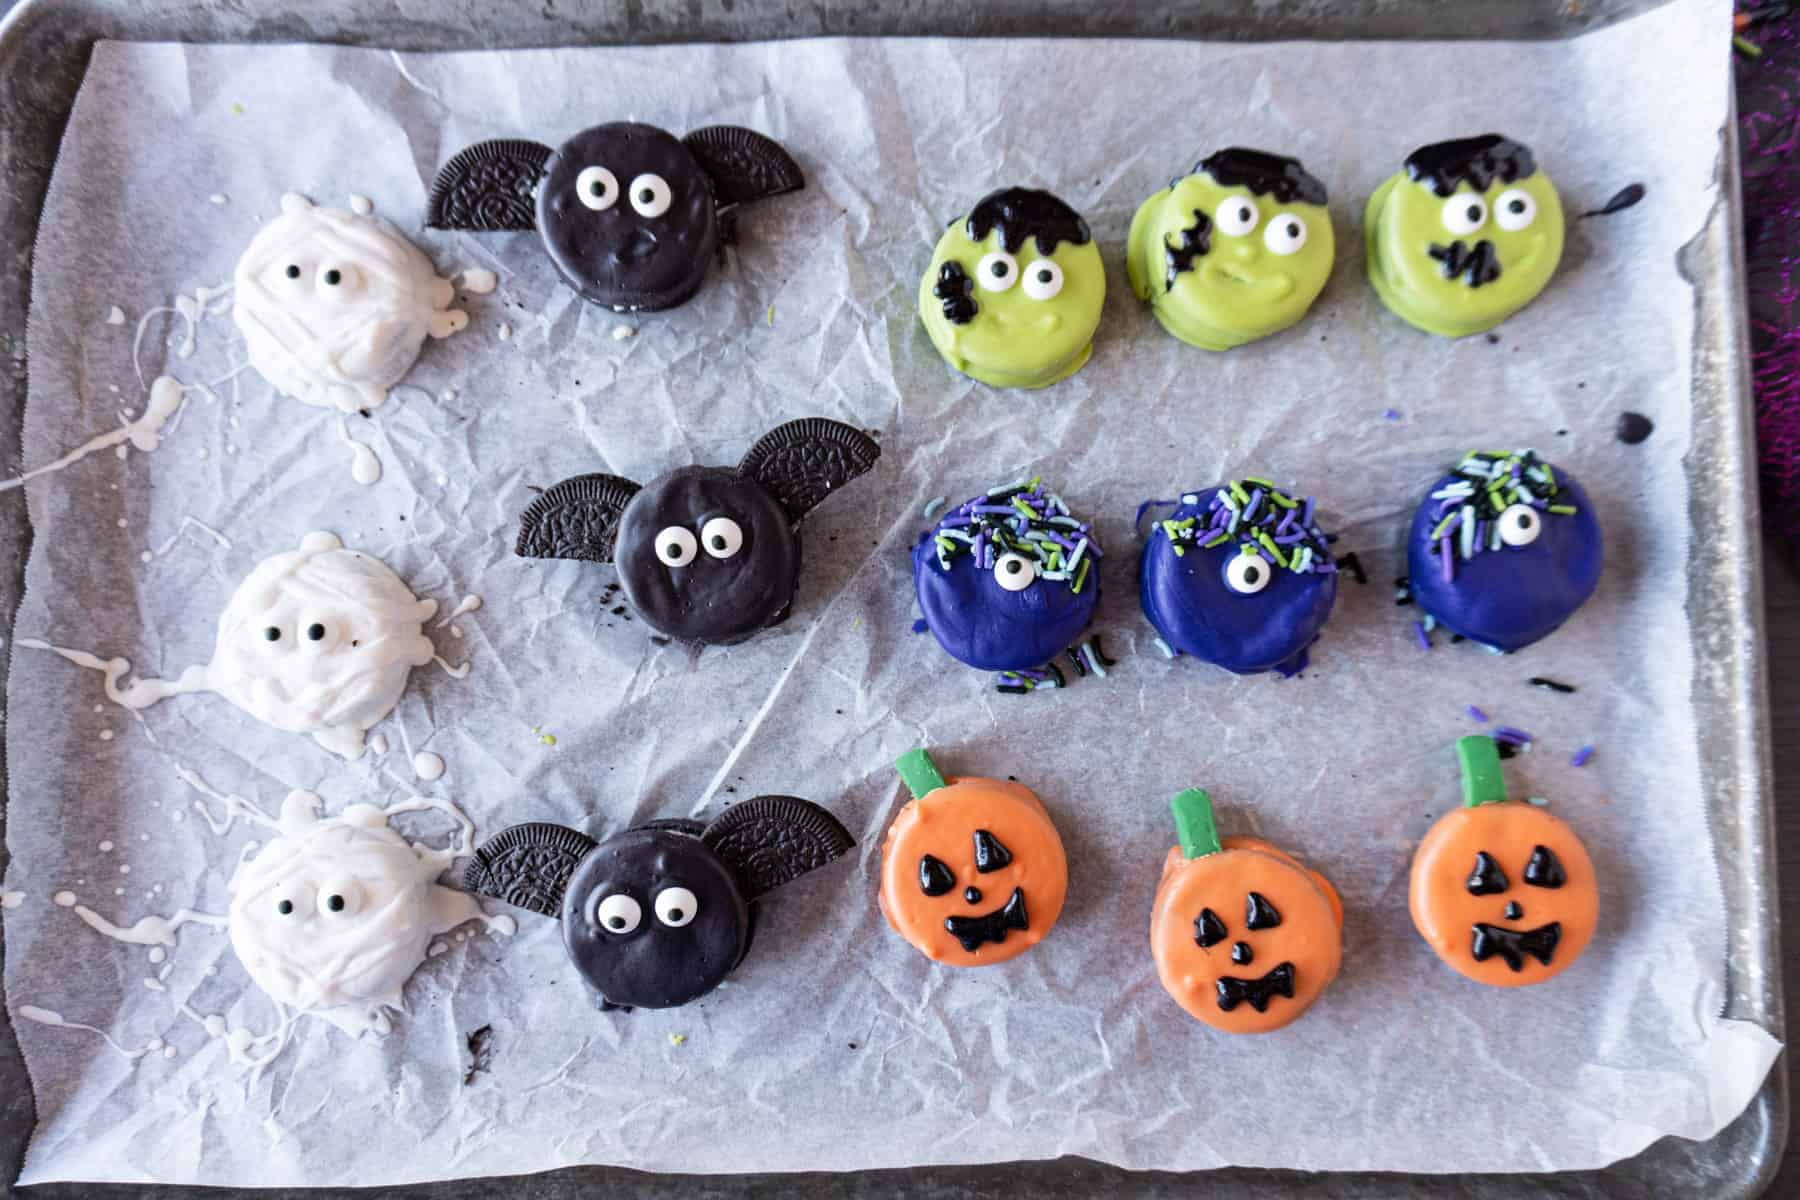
650 195
1514 209
722 537
1464 213
1247 574
1520 525
676 547
1014 572
1043 279
341 898
294 901
1284 234
676 906
332 276
1237 216
597 188
618 913
272 633
997 271
293 271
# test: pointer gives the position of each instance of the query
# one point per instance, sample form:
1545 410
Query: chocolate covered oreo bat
658 915
705 554
630 214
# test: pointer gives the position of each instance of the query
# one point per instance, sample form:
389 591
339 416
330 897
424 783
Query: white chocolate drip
143 434
44 1016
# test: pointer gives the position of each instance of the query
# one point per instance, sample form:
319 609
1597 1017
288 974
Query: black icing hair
1264 174
1020 213
1479 160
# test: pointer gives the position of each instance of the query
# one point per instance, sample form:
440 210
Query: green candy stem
1482 780
918 773
1194 826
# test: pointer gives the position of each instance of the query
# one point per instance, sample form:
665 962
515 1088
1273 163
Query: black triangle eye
1545 870
1487 879
935 878
1259 913
990 855
1209 931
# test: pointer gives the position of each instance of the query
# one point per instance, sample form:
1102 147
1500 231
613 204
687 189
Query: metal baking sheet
1724 582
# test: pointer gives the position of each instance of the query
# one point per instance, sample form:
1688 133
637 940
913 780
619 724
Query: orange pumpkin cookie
972 871
1244 937
1503 891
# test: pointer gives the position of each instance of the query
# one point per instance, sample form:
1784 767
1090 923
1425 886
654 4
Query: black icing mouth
1514 944
1476 265
1234 991
989 927
635 247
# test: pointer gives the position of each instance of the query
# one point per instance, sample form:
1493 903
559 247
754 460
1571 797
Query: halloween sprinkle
1581 757
1262 519
1551 685
1476 714
1469 509
1021 518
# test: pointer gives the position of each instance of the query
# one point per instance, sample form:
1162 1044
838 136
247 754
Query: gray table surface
1782 630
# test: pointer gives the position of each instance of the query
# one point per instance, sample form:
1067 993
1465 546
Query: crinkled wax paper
835 1045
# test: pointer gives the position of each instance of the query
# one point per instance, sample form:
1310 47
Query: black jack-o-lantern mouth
1233 990
993 926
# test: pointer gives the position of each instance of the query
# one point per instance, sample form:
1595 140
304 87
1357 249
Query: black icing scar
1477 265
1194 242
957 291
1514 944
989 927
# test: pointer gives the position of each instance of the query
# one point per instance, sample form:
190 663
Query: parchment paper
835 1045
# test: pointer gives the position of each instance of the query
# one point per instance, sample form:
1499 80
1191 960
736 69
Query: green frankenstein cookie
1467 235
1233 252
1013 293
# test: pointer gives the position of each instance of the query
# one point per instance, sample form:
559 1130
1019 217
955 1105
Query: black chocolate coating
616 257
655 965
710 599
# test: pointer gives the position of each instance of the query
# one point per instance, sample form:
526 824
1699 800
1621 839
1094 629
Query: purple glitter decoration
1768 90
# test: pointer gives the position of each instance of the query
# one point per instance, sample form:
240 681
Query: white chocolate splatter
143 434
428 766
478 282
464 607
115 315
11 899
44 1016
365 467
336 303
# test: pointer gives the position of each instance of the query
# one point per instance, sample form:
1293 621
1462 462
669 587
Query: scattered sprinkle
1017 683
1391 414
771 316
1550 685
1260 519
1476 714
678 1039
237 110
1537 800
1023 520
216 198
1423 638
932 505
1581 757
1489 483
548 739
1167 650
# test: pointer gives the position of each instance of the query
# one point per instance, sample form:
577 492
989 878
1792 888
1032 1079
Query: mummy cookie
1007 581
1502 890
630 215
1467 234
1241 576
1235 251
334 915
972 870
318 640
1503 549
1245 938
659 915
334 305
1013 293
705 554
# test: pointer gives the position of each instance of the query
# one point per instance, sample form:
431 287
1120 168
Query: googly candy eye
597 188
1014 572
1236 216
650 195
676 547
292 900
1247 574
722 537
1464 213
997 271
1043 280
1514 209
340 898
618 913
676 906
1520 525
1284 234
